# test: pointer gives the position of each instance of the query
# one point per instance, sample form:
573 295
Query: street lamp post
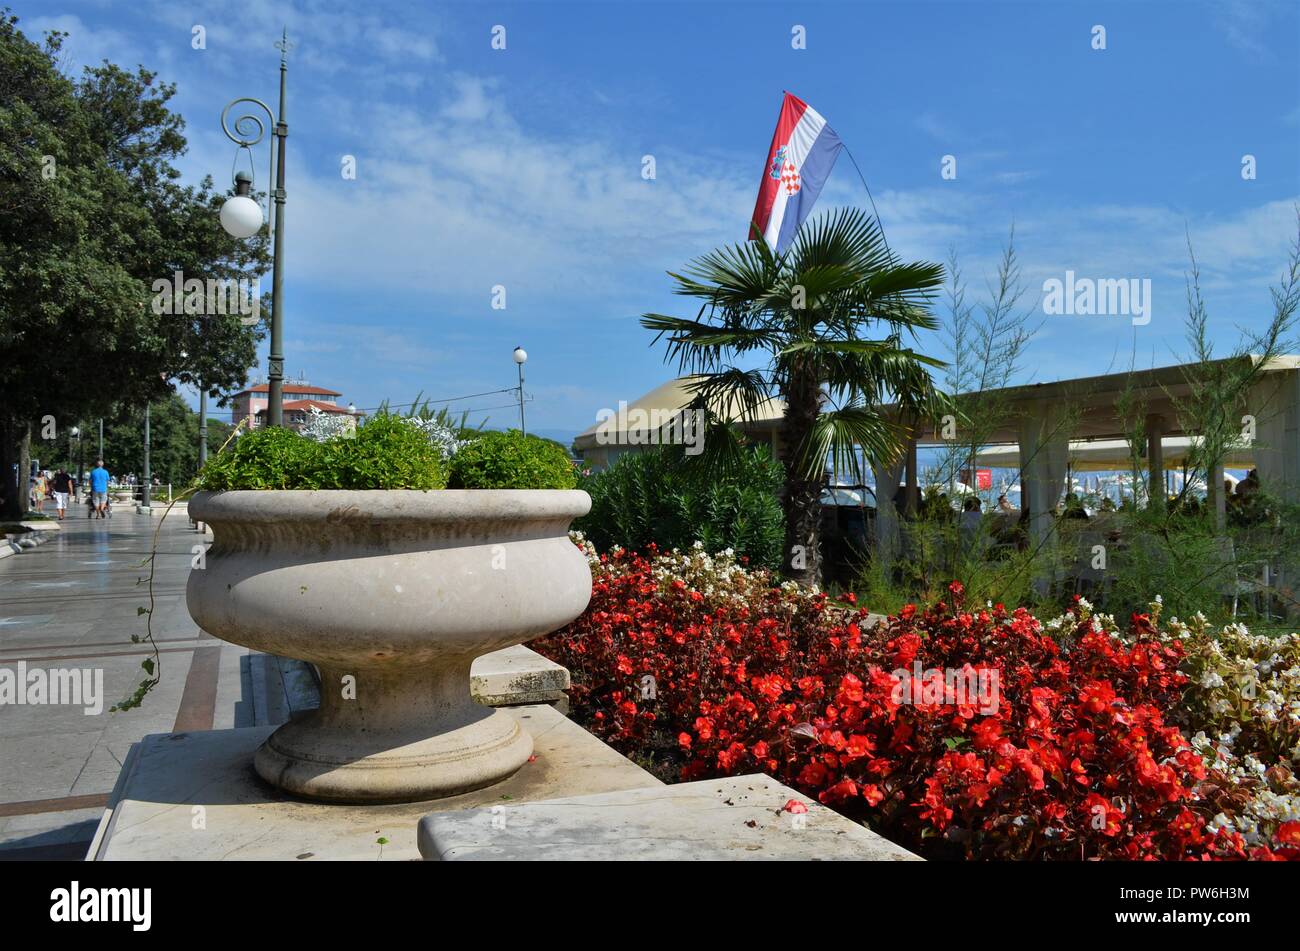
203 418
521 357
75 433
237 219
203 425
146 481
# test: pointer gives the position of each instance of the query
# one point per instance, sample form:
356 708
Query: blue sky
522 167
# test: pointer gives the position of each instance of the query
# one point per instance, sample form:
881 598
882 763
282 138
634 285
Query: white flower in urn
442 436
323 426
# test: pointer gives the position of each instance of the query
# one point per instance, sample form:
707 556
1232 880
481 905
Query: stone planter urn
392 595
123 496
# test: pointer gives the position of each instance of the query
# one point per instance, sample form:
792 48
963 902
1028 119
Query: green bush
511 460
656 496
386 453
270 458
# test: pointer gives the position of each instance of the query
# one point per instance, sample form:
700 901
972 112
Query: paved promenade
72 604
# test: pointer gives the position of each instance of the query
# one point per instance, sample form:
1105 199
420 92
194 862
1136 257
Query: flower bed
1242 709
697 667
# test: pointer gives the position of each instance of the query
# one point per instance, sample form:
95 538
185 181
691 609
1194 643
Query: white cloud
82 46
454 202
934 127
1244 24
472 101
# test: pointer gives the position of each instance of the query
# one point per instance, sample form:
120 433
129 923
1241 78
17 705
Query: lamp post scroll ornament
242 217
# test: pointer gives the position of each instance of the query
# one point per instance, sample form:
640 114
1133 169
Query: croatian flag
803 152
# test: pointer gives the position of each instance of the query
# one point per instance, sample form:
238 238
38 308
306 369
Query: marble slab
738 818
195 796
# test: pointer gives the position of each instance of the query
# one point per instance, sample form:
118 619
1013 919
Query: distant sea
564 437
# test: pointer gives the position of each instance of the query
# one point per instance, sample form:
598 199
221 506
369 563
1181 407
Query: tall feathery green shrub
656 496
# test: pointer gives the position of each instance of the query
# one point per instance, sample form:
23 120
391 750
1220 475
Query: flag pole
874 211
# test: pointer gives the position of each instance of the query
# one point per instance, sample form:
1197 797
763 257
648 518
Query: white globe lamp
240 215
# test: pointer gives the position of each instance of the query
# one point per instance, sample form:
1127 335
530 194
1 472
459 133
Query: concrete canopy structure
1044 420
1107 455
636 425
1095 399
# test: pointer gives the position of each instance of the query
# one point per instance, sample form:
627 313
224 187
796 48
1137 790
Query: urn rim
382 505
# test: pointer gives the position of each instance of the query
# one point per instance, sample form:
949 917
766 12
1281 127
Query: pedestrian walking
63 485
40 490
99 488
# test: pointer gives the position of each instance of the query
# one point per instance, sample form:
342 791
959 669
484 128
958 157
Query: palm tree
804 314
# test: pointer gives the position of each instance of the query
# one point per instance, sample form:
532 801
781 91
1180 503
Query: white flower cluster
442 437
324 426
1273 796
713 576
588 549
1247 683
719 578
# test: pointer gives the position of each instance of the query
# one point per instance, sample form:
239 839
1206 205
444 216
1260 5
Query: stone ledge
17 544
509 677
713 820
153 810
516 675
158 509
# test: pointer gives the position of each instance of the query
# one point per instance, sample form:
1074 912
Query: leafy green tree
218 433
173 442
803 316
93 216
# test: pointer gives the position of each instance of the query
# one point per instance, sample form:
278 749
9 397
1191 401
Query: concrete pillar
1274 402
1156 461
887 540
913 494
1044 453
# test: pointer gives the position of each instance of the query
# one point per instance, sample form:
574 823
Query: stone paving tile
72 603
47 768
49 828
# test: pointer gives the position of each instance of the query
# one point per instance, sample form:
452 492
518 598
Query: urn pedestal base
384 738
446 765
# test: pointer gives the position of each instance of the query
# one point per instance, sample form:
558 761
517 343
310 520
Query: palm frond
845 236
721 455
836 435
908 280
731 394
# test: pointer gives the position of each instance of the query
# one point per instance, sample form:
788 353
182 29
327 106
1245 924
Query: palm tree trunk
802 496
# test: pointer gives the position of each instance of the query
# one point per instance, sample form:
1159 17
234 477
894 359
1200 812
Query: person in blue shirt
99 488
